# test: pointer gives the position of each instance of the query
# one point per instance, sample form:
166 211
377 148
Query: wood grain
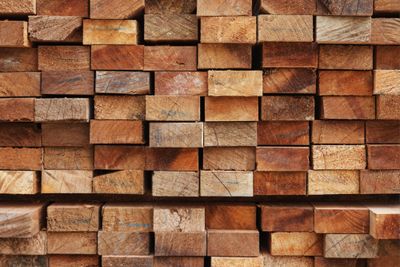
231 216
139 261
20 220
68 158
55 29
230 134
353 83
345 8
344 57
123 243
122 82
62 110
117 57
338 132
333 182
280 183
59 7
289 55
170 7
289 81
387 107
224 8
172 108
20 134
176 134
296 244
14 34
348 107
224 56
19 182
127 218
233 243
226 183
229 158
17 7
331 157
282 133
18 59
388 6
350 246
113 107
287 7
288 261
180 244
179 219
385 222
235 83
287 108
175 184
282 158
180 83
115 9
237 261
62 58
385 57
65 135
109 32
67 260
21 158
17 110
231 108
116 132
120 182
66 182
384 31
380 182
381 157
19 84
170 58
385 82
78 243
35 245
67 83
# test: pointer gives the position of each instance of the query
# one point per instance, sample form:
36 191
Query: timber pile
175 103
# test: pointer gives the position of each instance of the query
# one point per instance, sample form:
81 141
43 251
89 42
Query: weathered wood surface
180 83
224 56
127 218
109 32
234 30
230 134
287 108
226 183
14 34
78 243
78 260
111 107
229 158
285 28
73 217
116 9
120 182
18 59
66 182
231 108
331 157
233 243
280 183
62 58
296 244
78 8
122 82
170 28
289 55
19 84
338 132
68 158
283 133
55 29
175 184
123 243
179 219
235 83
350 246
287 217
231 216
170 58
349 57
18 7
380 182
116 132
176 134
385 31
172 108
282 158
67 83
19 182
20 220
345 8
19 260
180 244
170 7
329 182
62 109
117 57
35 245
17 109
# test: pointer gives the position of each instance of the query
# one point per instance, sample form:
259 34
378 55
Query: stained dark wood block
289 55
18 59
229 216
20 134
287 108
386 57
289 81
65 134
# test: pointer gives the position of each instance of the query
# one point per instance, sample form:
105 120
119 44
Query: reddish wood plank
172 58
354 83
280 183
348 107
289 55
283 133
62 58
21 158
282 158
287 108
383 157
117 57
289 81
17 109
67 83
181 83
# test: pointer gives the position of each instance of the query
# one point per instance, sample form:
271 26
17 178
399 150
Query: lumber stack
199 133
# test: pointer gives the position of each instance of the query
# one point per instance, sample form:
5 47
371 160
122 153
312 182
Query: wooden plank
179 219
350 246
139 261
17 7
68 260
324 262
287 108
380 182
123 243
115 9
180 244
64 58
338 132
122 82
287 7
296 244
233 243
66 182
170 28
16 84
180 83
176 134
229 158
341 218
120 182
346 57
170 7
385 31
116 132
287 261
18 59
226 183
231 108
233 30
236 261
285 28
287 217
388 107
68 158
17 109
73 217
235 83
388 254
65 134
19 260
331 157
345 8
357 83
35 245
14 34
385 221
289 55
55 29
382 132
20 220
385 82
127 218
175 184
20 134
19 182
333 182
67 83
386 6
79 243
224 8
231 216
280 183
178 261
139 158
385 57
170 58
172 108
110 32
113 107
62 109
283 133
381 157
224 56
230 134
78 8
343 30
21 158
117 57
282 158
348 107
289 81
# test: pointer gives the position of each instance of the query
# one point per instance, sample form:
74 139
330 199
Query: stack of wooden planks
199 133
